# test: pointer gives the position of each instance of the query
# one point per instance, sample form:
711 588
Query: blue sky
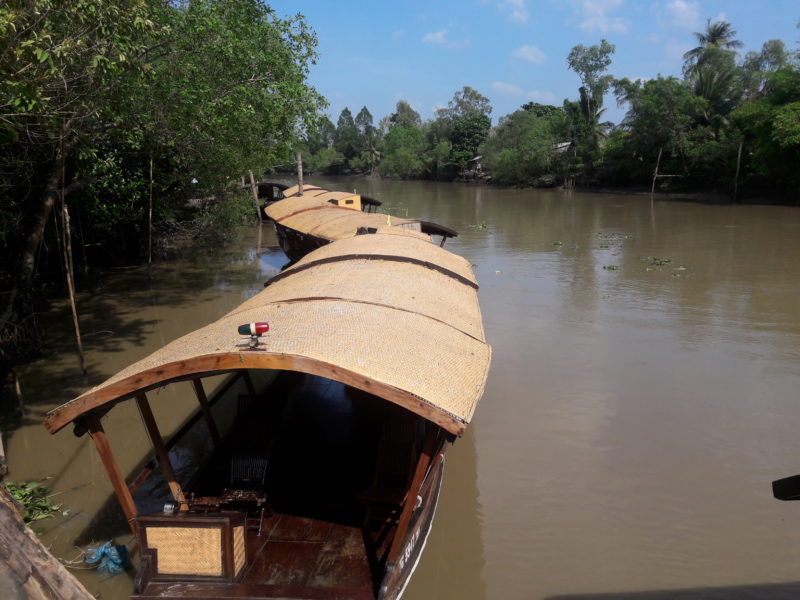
512 51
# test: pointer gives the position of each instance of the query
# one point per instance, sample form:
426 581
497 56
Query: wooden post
112 469
150 219
68 269
736 178
254 191
204 406
298 159
655 173
248 381
159 448
411 499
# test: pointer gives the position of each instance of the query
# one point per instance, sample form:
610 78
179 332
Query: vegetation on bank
107 104
726 113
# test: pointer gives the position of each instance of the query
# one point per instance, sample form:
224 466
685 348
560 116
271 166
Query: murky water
644 392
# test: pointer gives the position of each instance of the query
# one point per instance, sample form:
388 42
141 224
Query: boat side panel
399 573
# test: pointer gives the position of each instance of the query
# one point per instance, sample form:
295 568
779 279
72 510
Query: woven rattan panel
283 208
407 287
239 553
394 245
187 550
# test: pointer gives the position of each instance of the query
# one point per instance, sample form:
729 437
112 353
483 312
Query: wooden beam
204 406
124 497
211 364
159 448
428 450
248 381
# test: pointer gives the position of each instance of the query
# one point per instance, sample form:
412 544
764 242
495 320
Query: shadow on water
775 591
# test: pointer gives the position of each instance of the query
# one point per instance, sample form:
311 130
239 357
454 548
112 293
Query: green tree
205 89
60 61
771 127
718 35
405 116
662 115
524 145
590 64
346 139
403 150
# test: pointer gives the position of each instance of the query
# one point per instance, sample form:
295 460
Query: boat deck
294 557
321 443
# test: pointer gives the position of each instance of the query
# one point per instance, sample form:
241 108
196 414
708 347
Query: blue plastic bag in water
111 559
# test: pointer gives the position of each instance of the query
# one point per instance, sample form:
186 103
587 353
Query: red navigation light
253 328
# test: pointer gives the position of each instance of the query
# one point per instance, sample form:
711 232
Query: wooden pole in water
150 219
736 178
655 173
68 269
160 449
254 191
298 159
113 471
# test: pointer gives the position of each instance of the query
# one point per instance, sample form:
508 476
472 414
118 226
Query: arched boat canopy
313 214
391 314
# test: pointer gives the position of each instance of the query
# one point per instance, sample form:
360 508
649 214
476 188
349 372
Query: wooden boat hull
296 244
398 574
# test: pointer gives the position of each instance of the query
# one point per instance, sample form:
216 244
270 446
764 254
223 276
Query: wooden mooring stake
298 159
254 191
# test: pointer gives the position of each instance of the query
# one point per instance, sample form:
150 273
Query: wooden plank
124 497
27 569
284 563
244 591
300 529
202 399
411 499
160 449
343 560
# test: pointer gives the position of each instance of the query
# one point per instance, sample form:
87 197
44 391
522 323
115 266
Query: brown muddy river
644 392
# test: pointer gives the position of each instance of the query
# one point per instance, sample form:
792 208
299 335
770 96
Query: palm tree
711 67
718 34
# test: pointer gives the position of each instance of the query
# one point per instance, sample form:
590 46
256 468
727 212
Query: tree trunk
27 264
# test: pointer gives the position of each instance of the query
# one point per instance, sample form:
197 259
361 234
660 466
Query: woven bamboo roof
312 214
392 315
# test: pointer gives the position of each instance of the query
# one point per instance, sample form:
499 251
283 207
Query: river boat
308 219
344 383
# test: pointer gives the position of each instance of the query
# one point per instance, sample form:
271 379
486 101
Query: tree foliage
99 90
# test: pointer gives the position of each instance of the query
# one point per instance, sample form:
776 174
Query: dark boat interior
321 471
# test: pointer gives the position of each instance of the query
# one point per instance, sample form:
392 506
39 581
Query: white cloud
517 11
437 37
507 89
440 37
593 16
530 53
541 97
683 14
